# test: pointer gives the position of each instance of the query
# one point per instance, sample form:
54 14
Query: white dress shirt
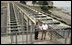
44 26
40 27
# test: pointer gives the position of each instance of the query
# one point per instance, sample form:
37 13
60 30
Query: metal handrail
27 15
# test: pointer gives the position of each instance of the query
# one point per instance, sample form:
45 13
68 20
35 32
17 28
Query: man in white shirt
44 30
45 26
40 26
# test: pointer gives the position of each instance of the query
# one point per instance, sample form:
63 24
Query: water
67 9
64 5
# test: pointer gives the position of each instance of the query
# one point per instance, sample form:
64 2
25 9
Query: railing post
50 35
22 31
31 31
70 40
67 33
16 37
65 40
11 36
27 31
65 37
70 37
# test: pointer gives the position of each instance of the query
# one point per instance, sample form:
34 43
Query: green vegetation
42 3
45 6
23 2
50 7
33 2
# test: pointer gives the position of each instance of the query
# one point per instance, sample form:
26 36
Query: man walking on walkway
38 27
44 30
36 31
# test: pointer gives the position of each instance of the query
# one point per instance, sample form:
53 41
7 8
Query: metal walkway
22 22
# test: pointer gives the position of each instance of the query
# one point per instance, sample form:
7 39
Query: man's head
44 23
36 23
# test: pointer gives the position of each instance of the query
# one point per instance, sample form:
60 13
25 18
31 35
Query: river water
64 5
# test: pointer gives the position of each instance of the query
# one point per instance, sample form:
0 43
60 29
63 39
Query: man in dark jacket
36 31
38 23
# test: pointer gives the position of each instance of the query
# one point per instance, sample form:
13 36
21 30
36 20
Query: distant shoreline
66 10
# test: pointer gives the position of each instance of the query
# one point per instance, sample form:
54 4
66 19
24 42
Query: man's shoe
41 39
36 38
44 38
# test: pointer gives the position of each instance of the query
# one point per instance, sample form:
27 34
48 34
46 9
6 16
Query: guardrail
25 37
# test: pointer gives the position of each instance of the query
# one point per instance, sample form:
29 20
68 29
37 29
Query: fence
27 37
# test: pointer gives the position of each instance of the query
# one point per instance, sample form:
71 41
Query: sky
66 5
62 3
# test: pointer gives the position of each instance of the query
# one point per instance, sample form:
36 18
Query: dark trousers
36 34
43 34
